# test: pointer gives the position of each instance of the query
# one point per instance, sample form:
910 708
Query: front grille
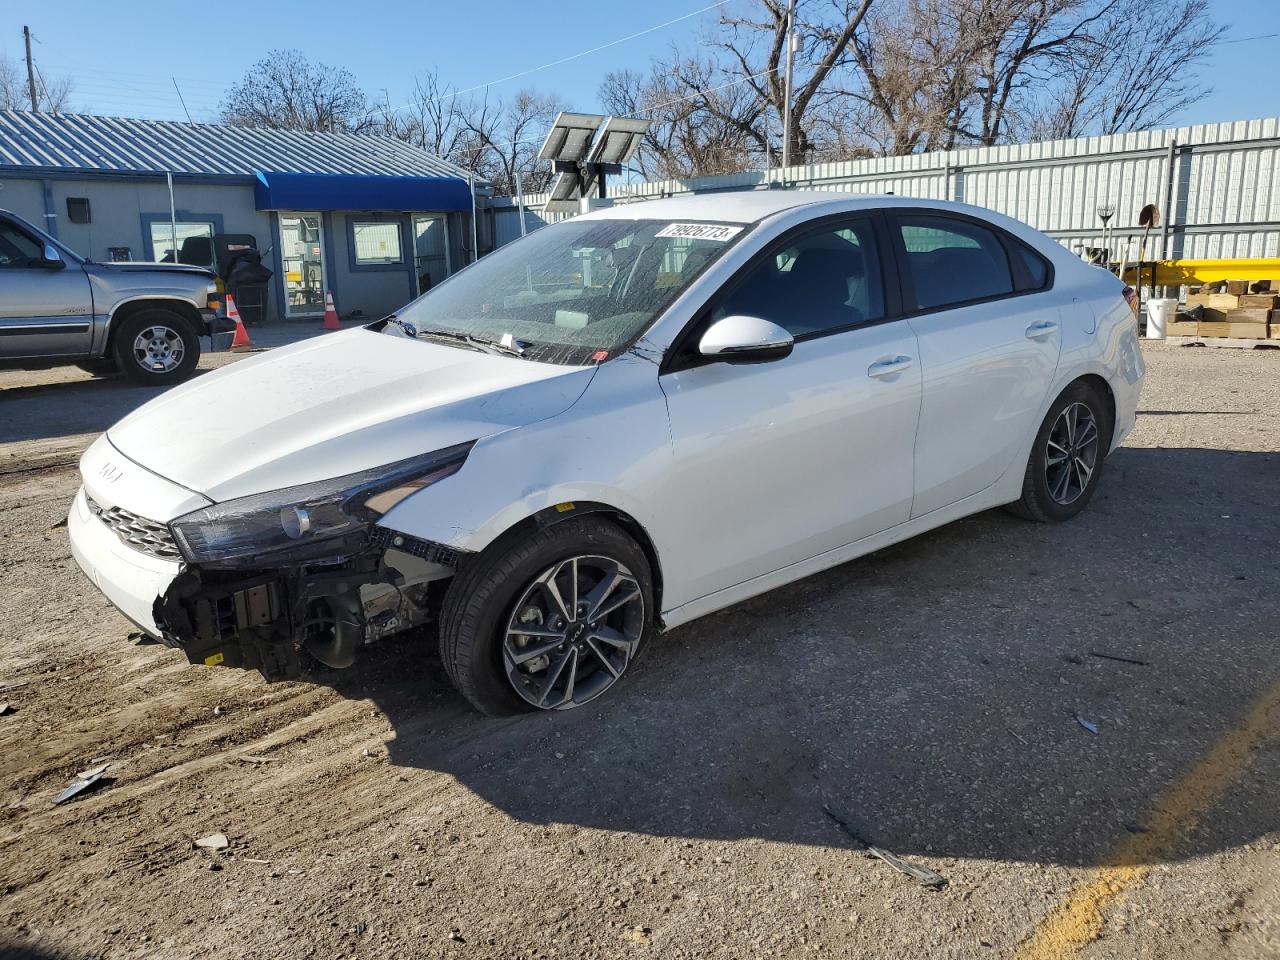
146 536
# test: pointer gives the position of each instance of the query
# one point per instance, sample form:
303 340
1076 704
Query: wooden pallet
1236 343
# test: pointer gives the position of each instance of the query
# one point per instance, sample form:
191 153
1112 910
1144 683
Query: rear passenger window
953 261
1034 265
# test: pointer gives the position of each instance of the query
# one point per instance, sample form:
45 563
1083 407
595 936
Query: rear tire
156 347
1066 458
495 591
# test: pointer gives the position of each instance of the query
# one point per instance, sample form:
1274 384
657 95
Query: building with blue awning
371 219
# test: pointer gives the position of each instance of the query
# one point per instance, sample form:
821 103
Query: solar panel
619 140
570 137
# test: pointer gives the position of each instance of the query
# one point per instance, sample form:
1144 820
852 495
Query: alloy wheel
158 349
1071 453
573 632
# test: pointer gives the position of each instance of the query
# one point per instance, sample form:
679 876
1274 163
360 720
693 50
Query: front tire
156 347
1067 457
550 621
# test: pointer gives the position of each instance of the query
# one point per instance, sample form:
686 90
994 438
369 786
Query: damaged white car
620 423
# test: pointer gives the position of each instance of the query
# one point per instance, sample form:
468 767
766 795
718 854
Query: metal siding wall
1225 198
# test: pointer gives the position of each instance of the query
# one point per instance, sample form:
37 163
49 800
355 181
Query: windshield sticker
699 231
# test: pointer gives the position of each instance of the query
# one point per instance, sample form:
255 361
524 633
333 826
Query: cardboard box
1182 328
1212 328
1248 331
1214 301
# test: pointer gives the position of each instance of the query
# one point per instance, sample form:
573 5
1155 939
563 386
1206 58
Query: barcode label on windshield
700 231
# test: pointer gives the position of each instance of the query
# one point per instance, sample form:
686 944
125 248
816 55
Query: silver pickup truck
144 320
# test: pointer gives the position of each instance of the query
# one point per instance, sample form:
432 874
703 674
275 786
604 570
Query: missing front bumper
263 620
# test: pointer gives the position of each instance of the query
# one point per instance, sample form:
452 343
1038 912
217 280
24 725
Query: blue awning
348 191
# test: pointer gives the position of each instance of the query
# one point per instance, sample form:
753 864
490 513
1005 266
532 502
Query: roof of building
69 142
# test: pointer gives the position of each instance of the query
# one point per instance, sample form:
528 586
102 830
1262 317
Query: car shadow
932 694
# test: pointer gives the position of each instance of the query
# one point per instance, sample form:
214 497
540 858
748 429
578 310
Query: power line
562 60
1261 36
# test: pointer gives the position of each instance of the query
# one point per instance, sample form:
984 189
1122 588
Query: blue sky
122 55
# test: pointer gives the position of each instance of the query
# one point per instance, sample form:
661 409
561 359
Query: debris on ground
6 709
1117 659
250 758
16 684
215 841
1087 724
926 877
219 710
82 782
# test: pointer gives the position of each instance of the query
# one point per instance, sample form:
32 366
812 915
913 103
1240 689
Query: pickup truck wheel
550 621
156 347
102 367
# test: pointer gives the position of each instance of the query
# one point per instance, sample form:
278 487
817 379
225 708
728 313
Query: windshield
575 292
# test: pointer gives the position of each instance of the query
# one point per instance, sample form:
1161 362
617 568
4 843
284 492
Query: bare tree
53 94
502 139
699 125
1127 79
756 45
288 91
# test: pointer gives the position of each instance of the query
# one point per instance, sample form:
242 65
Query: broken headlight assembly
309 522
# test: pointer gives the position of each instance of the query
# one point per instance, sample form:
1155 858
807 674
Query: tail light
1131 298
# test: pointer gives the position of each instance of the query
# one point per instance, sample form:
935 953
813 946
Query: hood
334 405
134 266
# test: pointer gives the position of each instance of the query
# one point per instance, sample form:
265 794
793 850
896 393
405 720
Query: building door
302 254
430 251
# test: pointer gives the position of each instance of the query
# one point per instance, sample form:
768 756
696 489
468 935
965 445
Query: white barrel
1159 312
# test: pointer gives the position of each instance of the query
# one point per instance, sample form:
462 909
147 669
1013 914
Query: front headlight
281 524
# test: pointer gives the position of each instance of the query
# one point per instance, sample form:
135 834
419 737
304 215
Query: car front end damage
254 582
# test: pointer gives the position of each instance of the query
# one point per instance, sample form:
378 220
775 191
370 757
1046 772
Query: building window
376 242
195 242
78 210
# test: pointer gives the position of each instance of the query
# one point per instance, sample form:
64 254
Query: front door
44 312
302 255
989 345
785 460
430 251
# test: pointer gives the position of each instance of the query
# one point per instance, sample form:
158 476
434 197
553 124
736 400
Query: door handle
1042 329
887 368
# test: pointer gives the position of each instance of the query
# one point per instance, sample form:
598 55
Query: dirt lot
928 694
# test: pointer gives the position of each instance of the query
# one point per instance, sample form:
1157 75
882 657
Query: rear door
982 307
44 311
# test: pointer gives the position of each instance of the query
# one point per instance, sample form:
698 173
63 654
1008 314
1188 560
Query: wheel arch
125 309
561 512
1098 384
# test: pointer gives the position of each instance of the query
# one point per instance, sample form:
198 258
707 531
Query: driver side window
17 248
819 282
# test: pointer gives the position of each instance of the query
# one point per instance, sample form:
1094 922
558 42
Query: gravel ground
927 694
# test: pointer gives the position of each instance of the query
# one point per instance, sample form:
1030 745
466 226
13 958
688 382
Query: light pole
786 106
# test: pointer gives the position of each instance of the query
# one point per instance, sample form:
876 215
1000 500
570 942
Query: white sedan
611 427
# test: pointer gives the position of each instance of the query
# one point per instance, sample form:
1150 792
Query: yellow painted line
1079 919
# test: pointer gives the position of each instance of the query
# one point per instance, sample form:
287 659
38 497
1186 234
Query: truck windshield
575 292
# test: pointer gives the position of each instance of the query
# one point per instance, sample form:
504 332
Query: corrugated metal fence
1217 186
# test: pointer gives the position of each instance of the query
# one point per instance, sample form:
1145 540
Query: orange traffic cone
330 313
241 340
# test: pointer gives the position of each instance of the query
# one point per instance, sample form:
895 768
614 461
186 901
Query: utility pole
786 107
31 71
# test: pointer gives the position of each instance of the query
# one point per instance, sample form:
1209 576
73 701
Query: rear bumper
131 580
215 323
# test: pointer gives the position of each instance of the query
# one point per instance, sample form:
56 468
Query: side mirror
742 339
52 258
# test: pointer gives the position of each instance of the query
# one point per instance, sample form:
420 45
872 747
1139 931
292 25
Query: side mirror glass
52 258
743 339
